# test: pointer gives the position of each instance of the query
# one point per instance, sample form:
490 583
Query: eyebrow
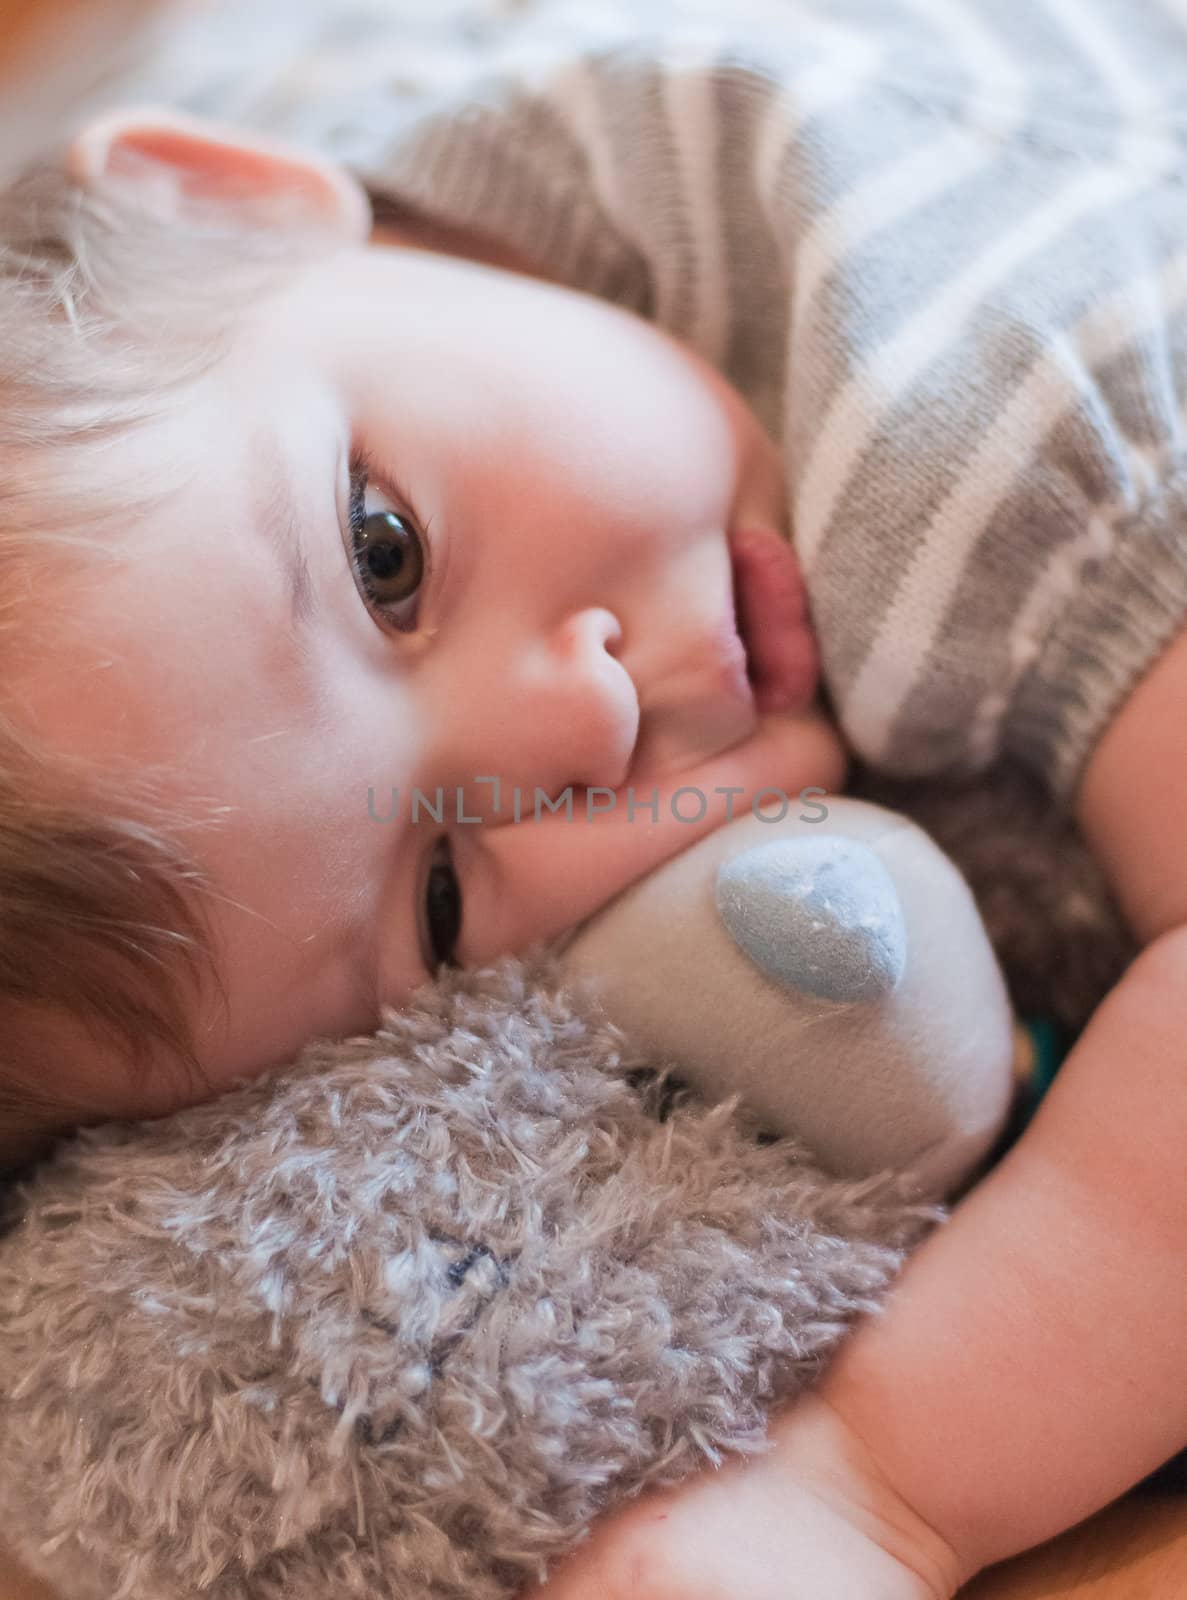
276 516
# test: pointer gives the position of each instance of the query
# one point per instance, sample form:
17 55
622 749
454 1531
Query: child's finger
553 871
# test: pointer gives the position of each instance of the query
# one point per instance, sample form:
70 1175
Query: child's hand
557 885
810 1520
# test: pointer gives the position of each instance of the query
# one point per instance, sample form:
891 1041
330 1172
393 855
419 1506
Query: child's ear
180 158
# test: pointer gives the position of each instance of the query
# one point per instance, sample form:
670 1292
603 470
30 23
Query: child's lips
771 609
760 657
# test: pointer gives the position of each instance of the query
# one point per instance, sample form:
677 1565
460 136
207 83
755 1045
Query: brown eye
390 558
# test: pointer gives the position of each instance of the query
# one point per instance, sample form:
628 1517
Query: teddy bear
410 1314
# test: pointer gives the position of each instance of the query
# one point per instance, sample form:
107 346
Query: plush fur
404 1320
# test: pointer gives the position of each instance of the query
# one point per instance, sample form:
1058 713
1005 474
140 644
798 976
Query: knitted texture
941 250
405 1319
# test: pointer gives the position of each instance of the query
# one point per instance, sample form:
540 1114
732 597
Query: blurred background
310 69
57 56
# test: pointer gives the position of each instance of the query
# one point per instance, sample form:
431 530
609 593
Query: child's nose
565 714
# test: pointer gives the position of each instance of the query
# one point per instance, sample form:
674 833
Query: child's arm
1029 1366
1033 1367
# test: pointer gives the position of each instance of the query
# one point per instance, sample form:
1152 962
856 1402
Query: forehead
185 590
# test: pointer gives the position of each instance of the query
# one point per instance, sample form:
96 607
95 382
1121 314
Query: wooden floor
1136 1550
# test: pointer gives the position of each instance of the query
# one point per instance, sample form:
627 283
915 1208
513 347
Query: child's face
570 477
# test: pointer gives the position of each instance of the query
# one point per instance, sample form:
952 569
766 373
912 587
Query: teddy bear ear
179 159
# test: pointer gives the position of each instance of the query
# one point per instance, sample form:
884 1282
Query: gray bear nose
818 915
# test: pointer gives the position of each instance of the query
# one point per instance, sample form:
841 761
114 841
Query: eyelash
360 476
441 896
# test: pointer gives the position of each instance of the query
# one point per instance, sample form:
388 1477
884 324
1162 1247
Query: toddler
346 519
375 540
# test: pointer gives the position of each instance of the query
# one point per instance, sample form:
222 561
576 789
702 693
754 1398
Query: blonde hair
108 306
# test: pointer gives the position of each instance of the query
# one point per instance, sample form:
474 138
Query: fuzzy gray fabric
404 1320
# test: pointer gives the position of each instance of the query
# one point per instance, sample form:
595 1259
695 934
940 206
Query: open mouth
769 615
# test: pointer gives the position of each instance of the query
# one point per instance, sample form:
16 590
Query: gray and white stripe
940 246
